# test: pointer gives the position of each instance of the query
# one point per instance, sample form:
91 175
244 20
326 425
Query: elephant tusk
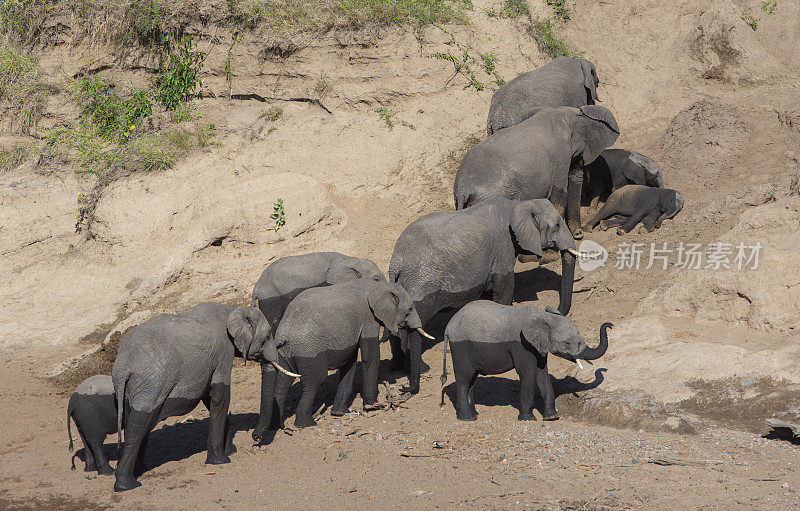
578 361
574 252
425 334
284 371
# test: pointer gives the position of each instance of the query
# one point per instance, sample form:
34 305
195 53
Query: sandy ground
674 415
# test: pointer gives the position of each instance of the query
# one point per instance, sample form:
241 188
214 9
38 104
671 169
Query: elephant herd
517 194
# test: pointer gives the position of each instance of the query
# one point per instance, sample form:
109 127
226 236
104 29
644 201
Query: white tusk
579 363
380 332
284 371
574 252
425 334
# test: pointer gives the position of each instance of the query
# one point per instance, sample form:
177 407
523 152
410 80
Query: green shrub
206 134
769 7
272 114
515 8
752 21
560 8
112 116
177 83
145 22
548 42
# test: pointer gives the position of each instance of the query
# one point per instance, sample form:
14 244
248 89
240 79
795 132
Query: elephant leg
345 387
503 288
230 448
96 445
465 409
398 362
525 365
314 374
370 360
219 403
137 427
573 211
631 222
650 219
88 455
139 468
415 359
546 390
608 210
282 386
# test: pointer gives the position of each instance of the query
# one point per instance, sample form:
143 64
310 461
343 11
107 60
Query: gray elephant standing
93 407
564 81
635 203
323 329
450 258
615 168
489 338
170 363
540 158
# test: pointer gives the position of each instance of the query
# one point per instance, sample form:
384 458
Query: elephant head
562 338
392 308
646 172
536 225
590 80
595 129
250 331
351 268
670 203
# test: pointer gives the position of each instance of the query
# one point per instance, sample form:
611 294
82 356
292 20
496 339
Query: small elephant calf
488 338
93 407
632 204
615 168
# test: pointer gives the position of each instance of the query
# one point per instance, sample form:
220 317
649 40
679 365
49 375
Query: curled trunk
599 351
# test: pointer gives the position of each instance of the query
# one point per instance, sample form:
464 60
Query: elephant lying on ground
635 203
489 338
170 363
564 81
93 407
323 329
615 168
289 276
540 158
450 258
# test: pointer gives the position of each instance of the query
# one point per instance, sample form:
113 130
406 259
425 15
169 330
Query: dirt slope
698 358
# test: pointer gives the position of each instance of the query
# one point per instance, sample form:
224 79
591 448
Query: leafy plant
322 88
206 134
386 115
560 8
279 215
145 21
751 20
769 7
111 115
180 79
272 114
548 42
462 67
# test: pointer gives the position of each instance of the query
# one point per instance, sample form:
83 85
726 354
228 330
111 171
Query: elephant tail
443 378
120 408
69 430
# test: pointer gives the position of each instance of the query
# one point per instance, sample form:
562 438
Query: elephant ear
525 226
589 80
342 271
383 304
553 230
651 170
536 331
601 131
634 173
249 328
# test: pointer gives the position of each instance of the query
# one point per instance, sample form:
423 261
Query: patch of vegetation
178 81
181 138
145 22
12 157
21 89
20 20
511 9
387 115
182 113
461 67
111 115
752 21
560 8
769 7
278 214
322 88
206 135
272 114
547 40
490 66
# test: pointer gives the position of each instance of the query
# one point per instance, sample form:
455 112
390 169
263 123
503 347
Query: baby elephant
615 168
635 203
488 338
93 408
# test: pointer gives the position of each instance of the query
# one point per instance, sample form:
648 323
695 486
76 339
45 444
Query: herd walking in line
517 194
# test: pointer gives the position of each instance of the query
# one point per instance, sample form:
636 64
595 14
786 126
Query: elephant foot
217 459
304 422
126 483
257 434
370 407
577 233
551 417
526 417
230 449
467 416
340 412
105 471
621 231
90 467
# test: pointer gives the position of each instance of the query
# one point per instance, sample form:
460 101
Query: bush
548 42
145 21
560 8
112 116
177 83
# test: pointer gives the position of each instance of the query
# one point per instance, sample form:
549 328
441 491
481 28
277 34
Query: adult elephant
564 81
170 363
615 168
450 258
540 158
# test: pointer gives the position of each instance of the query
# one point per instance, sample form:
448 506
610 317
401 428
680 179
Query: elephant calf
490 338
615 168
632 204
93 408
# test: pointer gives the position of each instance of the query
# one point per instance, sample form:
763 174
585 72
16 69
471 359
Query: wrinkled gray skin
287 277
170 363
323 329
564 81
615 168
450 258
93 407
540 158
489 338
632 204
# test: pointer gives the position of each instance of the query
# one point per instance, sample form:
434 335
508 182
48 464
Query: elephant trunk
269 376
599 351
567 279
